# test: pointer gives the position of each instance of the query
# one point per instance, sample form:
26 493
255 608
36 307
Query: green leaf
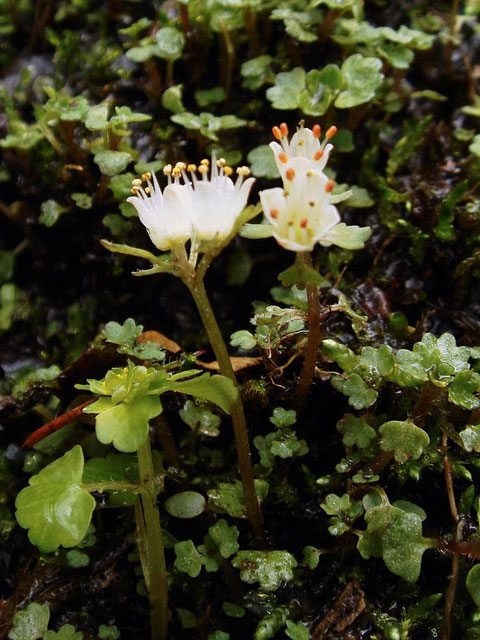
51 210
405 147
256 72
262 162
122 334
473 584
169 43
31 623
67 632
172 99
233 610
82 200
229 497
444 230
55 508
217 389
405 439
347 236
185 505
111 163
225 537
395 535
463 391
243 339
268 568
399 56
187 558
218 635
471 437
362 79
335 505
201 419
356 432
124 425
300 275
97 117
77 559
108 632
288 85
205 97
474 147
283 418
297 631
360 396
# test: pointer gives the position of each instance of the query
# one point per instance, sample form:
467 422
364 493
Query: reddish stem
55 425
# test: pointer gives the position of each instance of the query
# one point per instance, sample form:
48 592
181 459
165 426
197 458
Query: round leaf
187 504
55 508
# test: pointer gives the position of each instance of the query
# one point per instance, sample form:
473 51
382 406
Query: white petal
273 200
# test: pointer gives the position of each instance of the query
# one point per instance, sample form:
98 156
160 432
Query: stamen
290 174
135 190
319 154
243 171
147 176
284 130
317 131
181 165
136 182
274 213
167 169
191 168
329 186
331 132
227 171
176 173
221 162
203 169
303 223
205 162
283 158
277 133
147 190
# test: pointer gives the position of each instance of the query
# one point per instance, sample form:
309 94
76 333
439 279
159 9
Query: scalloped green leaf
30 623
362 79
405 439
55 508
268 568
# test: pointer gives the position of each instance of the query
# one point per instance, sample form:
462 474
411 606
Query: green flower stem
133 487
313 340
254 513
151 539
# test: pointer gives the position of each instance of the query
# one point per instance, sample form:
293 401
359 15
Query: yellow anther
243 171
176 173
192 168
146 176
136 182
135 190
221 162
181 165
227 171
205 162
202 169
147 190
167 169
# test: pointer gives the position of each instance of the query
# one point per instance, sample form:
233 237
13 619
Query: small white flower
301 213
305 143
202 208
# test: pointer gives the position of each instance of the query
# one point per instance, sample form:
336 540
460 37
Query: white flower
305 143
301 214
202 208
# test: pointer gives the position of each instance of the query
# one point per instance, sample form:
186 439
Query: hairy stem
217 342
154 557
314 335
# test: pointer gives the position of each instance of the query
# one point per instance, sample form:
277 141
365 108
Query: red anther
283 158
331 132
277 133
303 223
284 129
329 186
274 213
317 130
318 155
290 173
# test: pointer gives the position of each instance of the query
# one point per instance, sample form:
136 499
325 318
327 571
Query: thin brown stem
458 527
314 335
